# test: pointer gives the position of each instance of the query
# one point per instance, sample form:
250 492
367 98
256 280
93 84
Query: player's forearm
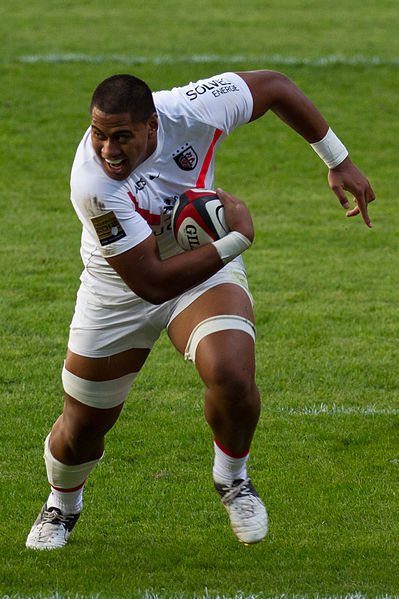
181 272
274 91
157 280
294 108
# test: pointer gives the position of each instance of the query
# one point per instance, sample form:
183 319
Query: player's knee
82 427
91 409
231 380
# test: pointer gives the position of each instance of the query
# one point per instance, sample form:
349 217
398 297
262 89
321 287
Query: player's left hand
347 177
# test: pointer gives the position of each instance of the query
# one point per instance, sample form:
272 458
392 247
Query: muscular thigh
106 368
223 355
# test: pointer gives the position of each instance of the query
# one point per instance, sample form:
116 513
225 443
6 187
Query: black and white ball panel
198 218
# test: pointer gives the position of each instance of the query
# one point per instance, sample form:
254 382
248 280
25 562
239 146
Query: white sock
69 502
227 468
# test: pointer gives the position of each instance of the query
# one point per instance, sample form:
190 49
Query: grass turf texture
326 307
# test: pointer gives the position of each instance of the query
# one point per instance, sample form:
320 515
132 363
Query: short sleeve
223 101
106 211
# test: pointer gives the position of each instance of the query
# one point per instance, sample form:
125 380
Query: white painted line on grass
336 410
273 59
151 595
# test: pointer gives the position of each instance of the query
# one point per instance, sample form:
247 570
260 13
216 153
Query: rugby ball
198 218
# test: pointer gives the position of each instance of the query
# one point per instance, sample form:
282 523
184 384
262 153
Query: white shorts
98 331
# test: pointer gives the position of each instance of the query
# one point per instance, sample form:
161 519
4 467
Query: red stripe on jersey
152 219
230 453
208 158
68 490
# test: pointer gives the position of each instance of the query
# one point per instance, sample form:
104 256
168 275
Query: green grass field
326 454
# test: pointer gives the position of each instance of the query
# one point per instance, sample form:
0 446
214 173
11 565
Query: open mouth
115 167
114 163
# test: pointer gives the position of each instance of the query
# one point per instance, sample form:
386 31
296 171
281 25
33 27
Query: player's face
121 144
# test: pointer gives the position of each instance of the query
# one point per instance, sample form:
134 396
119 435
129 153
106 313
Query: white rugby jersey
118 215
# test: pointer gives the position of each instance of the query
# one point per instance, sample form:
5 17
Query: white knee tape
62 476
97 394
214 324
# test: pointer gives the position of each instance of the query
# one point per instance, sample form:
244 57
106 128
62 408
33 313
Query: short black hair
124 93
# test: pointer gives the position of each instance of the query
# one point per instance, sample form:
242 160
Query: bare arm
276 92
157 280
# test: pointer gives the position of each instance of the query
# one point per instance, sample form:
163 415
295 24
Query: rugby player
140 152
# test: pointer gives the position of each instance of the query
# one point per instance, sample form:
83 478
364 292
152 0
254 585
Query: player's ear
153 123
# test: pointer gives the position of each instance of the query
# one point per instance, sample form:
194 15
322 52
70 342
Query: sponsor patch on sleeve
108 228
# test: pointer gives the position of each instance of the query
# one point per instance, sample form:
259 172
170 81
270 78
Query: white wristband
231 245
330 149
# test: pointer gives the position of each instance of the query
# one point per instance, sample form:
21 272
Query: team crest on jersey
186 158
